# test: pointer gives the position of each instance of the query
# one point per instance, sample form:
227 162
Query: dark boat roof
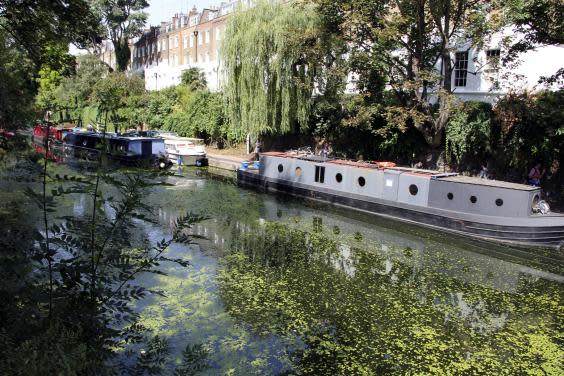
113 136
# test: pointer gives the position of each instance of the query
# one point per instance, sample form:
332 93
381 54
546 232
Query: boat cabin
407 186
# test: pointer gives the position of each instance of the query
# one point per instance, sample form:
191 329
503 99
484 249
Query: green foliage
73 95
468 133
203 116
399 46
269 67
115 96
69 282
58 64
356 310
16 84
194 79
528 128
36 24
540 22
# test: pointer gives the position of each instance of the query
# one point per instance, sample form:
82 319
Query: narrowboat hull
541 230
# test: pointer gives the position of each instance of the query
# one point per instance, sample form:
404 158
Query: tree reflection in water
348 307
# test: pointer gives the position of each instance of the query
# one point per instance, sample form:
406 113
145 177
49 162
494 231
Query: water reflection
280 285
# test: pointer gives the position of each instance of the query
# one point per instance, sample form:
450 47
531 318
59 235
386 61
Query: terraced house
188 40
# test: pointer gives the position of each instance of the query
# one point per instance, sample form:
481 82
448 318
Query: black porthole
361 181
499 202
339 178
473 199
280 168
450 196
413 189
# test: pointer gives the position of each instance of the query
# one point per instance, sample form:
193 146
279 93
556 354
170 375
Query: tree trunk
121 49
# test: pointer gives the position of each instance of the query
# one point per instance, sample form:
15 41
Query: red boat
55 134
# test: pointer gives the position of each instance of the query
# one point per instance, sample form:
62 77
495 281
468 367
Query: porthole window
280 168
361 181
450 196
413 189
473 199
339 178
499 202
298 171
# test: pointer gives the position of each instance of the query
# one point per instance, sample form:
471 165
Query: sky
163 10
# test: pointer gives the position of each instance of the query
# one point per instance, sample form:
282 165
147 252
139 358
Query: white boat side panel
420 188
513 202
391 182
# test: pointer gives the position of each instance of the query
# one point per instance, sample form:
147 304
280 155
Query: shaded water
327 291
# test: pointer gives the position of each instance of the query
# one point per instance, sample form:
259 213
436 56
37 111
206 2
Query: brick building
188 40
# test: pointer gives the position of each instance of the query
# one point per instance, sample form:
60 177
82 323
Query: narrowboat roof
487 182
113 136
431 174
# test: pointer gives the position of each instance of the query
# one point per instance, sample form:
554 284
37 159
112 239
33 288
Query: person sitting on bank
535 175
258 147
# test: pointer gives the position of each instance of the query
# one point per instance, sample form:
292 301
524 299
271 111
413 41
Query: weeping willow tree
270 54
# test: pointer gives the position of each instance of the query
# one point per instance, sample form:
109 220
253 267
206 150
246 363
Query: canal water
281 285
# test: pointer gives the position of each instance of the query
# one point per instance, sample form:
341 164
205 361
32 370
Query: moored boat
42 133
488 209
124 149
185 151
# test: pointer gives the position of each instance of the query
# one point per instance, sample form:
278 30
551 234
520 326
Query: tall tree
401 43
272 57
37 23
124 19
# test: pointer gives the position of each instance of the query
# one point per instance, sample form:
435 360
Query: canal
280 286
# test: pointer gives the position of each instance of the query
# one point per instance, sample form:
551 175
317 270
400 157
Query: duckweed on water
354 310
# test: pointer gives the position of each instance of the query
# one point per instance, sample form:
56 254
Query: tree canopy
269 66
124 19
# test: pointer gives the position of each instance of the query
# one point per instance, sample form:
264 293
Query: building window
185 42
207 36
191 41
460 68
199 39
176 41
319 174
492 60
218 34
186 59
